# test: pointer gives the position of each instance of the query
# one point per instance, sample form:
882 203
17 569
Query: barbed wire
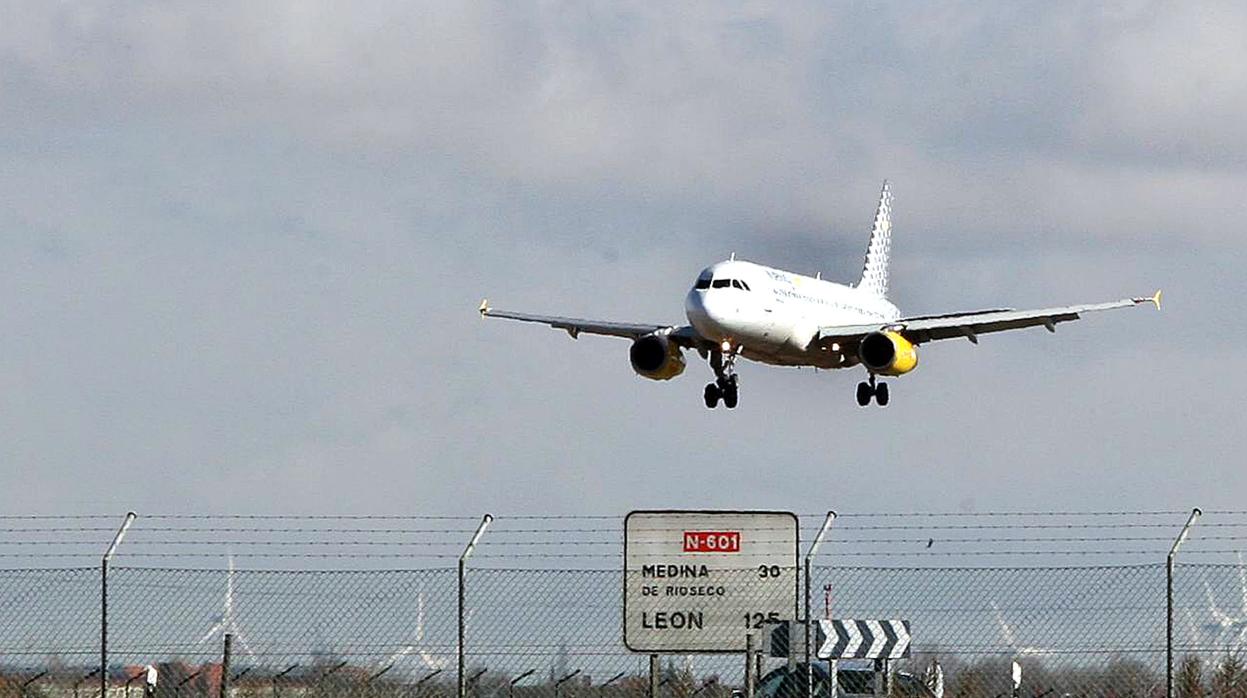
1099 626
616 543
1000 535
138 530
617 556
588 517
1070 526
941 514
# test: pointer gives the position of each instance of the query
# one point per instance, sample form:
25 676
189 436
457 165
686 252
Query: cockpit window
703 283
723 283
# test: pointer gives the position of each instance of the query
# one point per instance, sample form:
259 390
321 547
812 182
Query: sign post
701 581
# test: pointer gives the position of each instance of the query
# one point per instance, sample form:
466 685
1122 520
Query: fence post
476 677
818 540
1173 552
463 560
750 679
177 690
108 555
332 670
277 677
521 677
611 680
558 685
27 682
225 656
653 676
80 681
379 674
426 677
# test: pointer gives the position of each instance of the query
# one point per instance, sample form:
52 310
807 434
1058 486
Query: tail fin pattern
875 273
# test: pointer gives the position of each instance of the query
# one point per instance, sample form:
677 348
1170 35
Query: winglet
484 309
1154 300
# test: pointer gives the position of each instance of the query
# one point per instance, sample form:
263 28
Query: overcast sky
242 246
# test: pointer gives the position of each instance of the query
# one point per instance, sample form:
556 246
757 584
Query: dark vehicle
853 683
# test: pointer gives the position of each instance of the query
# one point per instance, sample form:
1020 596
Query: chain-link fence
552 628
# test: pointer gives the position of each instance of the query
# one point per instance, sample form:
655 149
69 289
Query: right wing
684 336
970 325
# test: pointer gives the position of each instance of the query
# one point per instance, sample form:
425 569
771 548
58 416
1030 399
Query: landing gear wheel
712 396
724 385
864 393
881 394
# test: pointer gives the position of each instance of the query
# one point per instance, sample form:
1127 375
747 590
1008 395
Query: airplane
741 309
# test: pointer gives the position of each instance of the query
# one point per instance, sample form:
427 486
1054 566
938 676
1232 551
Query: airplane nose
705 312
695 307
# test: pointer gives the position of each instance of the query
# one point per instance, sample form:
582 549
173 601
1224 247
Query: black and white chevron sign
864 639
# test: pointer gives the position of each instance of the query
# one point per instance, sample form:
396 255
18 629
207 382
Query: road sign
865 639
700 581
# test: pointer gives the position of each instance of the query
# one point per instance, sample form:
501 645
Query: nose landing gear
871 389
724 386
722 389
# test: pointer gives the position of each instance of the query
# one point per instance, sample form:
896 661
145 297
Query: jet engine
656 357
888 353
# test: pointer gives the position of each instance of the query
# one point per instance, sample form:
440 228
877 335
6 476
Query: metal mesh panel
49 616
561 624
294 633
1210 630
279 618
1076 631
1096 632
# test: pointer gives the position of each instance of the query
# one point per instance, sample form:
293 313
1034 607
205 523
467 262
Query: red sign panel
712 541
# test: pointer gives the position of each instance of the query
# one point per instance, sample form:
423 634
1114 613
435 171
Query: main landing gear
724 386
868 390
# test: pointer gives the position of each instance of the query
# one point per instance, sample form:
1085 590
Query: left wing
684 336
970 325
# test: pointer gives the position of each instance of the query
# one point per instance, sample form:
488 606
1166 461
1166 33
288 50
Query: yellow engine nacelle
656 357
888 353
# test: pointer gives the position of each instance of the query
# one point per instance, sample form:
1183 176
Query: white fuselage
773 316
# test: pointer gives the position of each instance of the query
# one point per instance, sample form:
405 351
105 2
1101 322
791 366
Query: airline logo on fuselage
779 276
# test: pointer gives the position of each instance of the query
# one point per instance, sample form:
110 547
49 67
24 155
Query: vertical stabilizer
875 273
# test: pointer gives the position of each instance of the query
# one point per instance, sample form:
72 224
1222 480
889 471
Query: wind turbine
226 622
1010 638
429 660
1223 623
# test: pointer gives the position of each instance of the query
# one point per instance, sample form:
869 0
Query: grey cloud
758 110
243 244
